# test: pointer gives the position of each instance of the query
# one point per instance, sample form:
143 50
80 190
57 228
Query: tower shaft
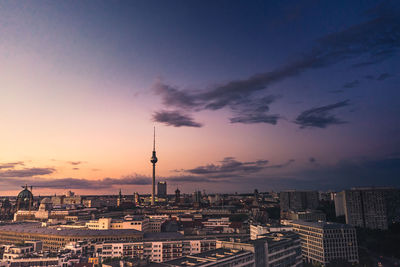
153 193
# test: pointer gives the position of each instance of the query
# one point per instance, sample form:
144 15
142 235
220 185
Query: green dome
25 194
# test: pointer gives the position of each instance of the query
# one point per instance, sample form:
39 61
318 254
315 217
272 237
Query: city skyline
243 95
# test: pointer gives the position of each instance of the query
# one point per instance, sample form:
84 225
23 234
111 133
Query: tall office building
324 242
162 189
373 208
298 200
338 198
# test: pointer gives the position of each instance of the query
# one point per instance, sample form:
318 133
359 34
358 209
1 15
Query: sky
271 95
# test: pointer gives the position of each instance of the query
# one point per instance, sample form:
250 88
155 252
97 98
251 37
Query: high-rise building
153 161
298 200
373 208
338 198
324 242
177 196
162 189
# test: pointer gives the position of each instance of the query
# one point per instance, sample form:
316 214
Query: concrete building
218 257
155 250
259 231
322 242
273 250
298 200
139 223
338 199
308 215
54 238
373 208
162 189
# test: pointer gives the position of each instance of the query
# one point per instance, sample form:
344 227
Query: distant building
177 196
162 189
274 250
298 200
55 238
323 242
25 199
338 198
259 231
373 208
308 215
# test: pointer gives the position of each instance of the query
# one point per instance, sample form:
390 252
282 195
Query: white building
322 242
157 251
258 231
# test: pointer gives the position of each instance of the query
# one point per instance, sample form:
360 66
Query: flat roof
206 257
26 227
323 225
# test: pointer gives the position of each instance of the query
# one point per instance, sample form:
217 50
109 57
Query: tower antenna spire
154 138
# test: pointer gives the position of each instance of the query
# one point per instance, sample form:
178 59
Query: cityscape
200 133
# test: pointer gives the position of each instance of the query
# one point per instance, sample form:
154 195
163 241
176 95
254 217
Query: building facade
373 208
298 200
323 242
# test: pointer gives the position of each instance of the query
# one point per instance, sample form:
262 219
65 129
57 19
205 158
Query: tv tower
154 160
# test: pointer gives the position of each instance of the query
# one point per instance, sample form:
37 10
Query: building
259 231
308 215
156 250
25 199
338 199
323 242
218 257
373 208
273 250
54 238
139 223
298 200
177 196
162 189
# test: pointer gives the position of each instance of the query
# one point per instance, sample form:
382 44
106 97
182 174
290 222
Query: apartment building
156 251
322 242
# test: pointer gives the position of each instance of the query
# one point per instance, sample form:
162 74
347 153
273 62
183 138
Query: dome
25 194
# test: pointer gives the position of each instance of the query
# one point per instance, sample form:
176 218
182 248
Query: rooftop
26 227
323 225
205 258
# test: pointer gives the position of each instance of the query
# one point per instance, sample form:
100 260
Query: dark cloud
312 160
27 172
336 91
175 118
10 165
254 111
75 162
373 42
320 117
380 77
80 183
352 84
383 76
227 170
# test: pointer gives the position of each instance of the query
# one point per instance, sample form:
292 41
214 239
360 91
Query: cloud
27 172
352 84
320 117
10 165
80 183
75 169
229 169
380 77
175 118
383 76
312 160
75 162
370 42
